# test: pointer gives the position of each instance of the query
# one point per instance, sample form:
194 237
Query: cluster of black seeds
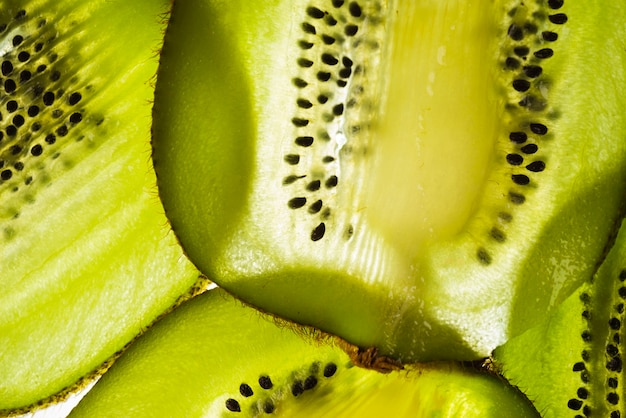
531 46
327 35
297 387
36 109
613 355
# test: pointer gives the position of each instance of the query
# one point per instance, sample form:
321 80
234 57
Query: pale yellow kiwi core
438 120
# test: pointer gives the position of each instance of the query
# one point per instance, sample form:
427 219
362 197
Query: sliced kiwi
214 357
86 257
572 365
428 178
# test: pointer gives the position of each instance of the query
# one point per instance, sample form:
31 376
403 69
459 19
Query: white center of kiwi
437 123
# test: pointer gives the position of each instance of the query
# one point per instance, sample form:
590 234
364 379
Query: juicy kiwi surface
214 357
572 365
86 259
429 178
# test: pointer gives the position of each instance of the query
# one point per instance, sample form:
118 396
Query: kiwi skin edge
195 361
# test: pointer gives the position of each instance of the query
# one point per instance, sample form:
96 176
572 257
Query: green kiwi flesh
572 364
86 258
215 357
428 178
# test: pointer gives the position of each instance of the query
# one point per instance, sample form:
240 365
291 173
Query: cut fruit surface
573 362
214 357
428 178
86 258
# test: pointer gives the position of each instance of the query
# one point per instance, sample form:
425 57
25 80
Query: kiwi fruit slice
428 178
215 357
572 365
86 258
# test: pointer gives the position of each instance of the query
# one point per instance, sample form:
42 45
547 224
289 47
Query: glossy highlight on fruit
86 257
214 357
427 178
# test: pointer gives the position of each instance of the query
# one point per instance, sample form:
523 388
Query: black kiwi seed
314 186
323 76
9 86
305 44
76 117
558 19
17 40
521 85
292 159
296 202
544 53
497 235
612 382
265 382
328 40
304 104
530 149
615 323
514 159
304 141
232 405
338 3
305 63
520 179
300 83
516 198
297 388
329 59
6 67
315 13
246 390
268 407
308 28
310 383
351 30
532 71
48 98
582 393
331 182
518 137
555 4
536 166
521 51
355 9
315 207
330 369
36 150
549 36
12 106
538 128
512 63
575 404
318 233
612 398
23 56
483 256
614 364
345 72
322 98
331 21
515 32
